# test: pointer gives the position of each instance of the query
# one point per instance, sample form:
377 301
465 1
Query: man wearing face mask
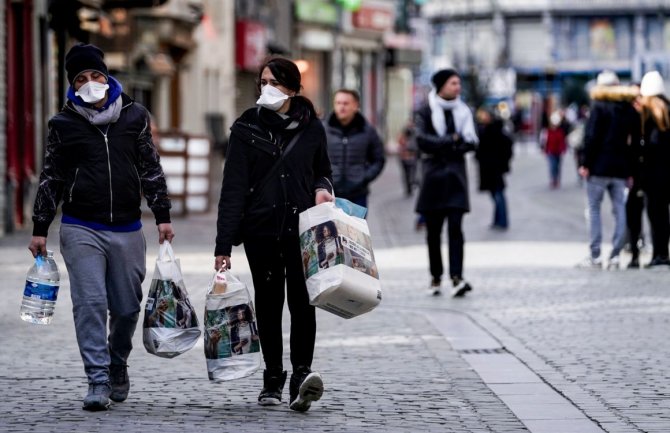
276 167
99 160
354 147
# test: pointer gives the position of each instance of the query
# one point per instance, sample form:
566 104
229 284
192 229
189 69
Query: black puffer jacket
612 127
445 177
356 153
252 151
100 172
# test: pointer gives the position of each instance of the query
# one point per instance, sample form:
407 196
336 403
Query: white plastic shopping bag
170 324
338 261
232 346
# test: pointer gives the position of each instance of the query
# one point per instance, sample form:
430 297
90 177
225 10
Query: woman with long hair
656 160
276 167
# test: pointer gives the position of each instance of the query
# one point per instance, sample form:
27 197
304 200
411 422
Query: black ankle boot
273 385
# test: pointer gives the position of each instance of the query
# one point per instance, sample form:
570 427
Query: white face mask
271 98
92 92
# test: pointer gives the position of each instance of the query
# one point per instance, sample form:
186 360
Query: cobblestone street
537 346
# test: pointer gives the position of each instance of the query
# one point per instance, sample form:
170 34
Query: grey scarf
110 115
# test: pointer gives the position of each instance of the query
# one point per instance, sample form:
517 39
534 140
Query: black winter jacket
611 129
356 154
493 154
100 172
655 172
445 177
252 151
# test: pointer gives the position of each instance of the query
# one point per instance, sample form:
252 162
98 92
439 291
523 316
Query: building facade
547 50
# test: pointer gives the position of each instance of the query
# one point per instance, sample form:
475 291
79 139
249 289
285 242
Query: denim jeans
595 191
500 208
554 168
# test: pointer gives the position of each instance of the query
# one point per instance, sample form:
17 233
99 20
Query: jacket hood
614 93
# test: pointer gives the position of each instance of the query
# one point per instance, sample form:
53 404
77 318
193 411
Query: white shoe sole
311 389
269 402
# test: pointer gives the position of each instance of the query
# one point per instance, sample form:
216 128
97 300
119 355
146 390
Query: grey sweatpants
106 271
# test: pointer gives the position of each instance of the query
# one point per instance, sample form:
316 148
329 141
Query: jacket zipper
109 169
264 139
76 172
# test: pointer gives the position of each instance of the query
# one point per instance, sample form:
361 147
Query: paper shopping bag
339 265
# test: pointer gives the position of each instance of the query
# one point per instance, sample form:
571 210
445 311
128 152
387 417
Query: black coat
101 179
252 151
655 166
445 177
493 154
612 126
356 154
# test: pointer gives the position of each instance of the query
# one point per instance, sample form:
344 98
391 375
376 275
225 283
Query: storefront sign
373 18
250 47
316 11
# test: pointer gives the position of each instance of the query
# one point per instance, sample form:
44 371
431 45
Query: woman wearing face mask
276 167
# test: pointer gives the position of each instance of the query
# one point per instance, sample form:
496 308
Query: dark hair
331 227
351 92
285 72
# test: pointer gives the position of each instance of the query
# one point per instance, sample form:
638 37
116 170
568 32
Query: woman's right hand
219 261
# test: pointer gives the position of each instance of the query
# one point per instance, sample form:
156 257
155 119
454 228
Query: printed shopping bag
170 322
232 346
338 261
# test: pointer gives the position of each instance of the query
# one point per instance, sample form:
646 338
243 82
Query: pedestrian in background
407 151
355 149
656 163
554 147
494 154
445 132
259 205
100 159
606 162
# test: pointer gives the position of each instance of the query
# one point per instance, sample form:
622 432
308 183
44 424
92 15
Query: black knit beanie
82 58
441 77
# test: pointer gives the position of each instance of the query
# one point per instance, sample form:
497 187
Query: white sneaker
613 264
590 263
435 288
460 288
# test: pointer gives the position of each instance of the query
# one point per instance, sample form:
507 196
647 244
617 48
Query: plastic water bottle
41 291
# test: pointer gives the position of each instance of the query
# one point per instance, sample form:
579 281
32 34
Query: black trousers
634 211
434 222
275 264
659 220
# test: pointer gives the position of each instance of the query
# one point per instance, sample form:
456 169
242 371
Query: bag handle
165 249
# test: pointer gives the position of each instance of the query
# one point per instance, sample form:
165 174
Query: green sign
316 11
351 5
